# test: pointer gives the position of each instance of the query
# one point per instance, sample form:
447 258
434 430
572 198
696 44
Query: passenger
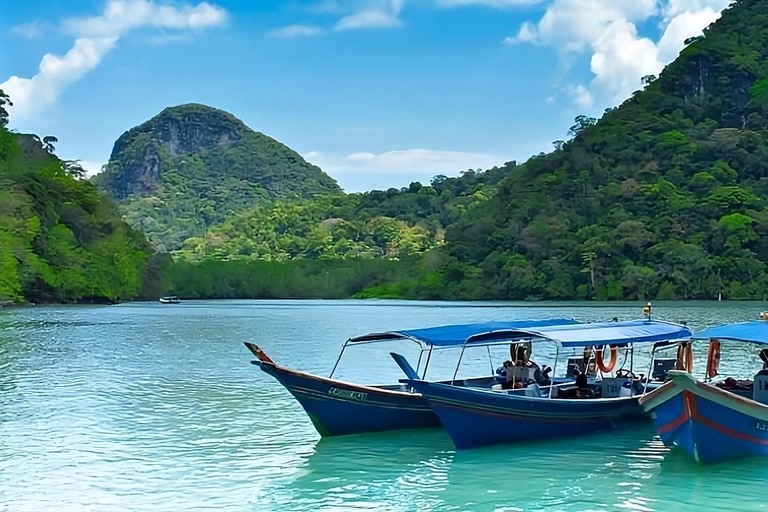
546 380
582 385
764 358
519 354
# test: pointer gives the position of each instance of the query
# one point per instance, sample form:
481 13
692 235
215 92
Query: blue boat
713 420
337 407
475 417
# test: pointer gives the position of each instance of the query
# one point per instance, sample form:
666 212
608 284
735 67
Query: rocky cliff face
192 165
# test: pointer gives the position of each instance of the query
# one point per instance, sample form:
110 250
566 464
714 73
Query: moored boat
169 299
475 417
715 420
338 407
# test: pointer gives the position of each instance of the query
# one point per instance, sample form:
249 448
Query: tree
74 168
48 142
581 123
4 102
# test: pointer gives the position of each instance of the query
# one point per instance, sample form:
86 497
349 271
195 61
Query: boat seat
533 391
760 389
611 387
521 373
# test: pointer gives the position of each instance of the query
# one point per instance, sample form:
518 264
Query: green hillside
59 239
392 224
664 197
192 166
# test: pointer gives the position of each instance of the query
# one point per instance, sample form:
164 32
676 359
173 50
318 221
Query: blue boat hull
475 418
339 408
709 424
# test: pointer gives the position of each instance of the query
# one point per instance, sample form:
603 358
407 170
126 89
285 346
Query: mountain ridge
192 165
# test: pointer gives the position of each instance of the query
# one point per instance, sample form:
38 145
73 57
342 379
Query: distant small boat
719 421
170 299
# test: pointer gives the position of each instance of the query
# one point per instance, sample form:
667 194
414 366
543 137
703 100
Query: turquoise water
149 407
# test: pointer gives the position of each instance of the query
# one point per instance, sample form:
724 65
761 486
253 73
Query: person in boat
516 377
582 385
764 359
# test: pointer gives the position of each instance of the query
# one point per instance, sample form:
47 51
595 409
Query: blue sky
379 93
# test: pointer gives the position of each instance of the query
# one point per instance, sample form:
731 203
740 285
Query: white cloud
292 31
368 19
31 30
498 4
95 37
409 161
682 26
91 168
373 14
526 34
581 96
608 30
674 8
120 16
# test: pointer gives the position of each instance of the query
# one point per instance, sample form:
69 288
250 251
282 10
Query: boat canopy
595 334
451 335
750 332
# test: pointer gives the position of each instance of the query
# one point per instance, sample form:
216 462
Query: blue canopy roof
596 334
448 335
752 332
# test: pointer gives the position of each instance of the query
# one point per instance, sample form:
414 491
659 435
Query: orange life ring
713 358
606 367
685 357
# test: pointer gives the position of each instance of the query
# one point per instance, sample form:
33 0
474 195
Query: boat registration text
349 395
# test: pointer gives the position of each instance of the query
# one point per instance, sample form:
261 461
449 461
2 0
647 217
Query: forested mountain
192 166
664 197
59 239
392 224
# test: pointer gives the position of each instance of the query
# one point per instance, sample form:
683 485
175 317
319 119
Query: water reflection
140 406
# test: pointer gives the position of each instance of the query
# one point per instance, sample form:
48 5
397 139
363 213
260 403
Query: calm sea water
150 407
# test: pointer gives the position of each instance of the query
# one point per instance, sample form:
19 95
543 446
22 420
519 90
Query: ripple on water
140 407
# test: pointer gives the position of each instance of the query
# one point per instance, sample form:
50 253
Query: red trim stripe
684 416
722 428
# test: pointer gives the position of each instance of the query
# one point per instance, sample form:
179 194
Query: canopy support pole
554 371
418 363
426 365
463 348
650 370
490 358
338 359
632 370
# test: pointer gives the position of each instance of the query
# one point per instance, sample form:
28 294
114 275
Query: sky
378 93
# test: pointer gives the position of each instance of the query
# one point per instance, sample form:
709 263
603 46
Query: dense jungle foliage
664 197
392 224
192 166
59 239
